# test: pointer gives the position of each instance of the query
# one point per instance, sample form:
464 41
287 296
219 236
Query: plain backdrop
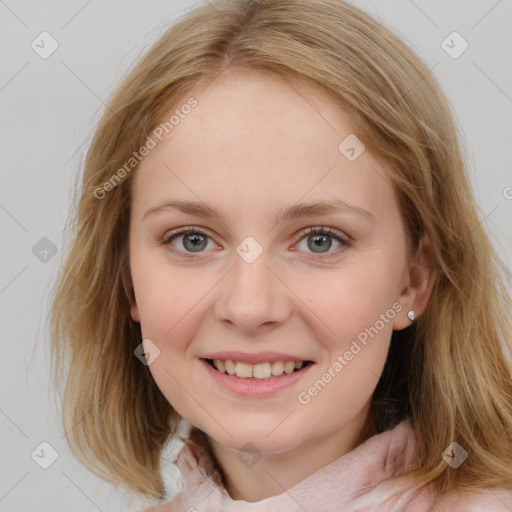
49 110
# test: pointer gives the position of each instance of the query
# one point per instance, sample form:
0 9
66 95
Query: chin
253 434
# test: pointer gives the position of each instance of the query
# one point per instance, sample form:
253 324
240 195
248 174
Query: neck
275 473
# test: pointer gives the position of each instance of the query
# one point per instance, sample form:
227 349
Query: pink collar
354 478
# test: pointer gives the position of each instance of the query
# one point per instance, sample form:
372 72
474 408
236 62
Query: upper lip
258 357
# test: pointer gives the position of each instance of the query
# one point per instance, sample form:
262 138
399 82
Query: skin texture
251 147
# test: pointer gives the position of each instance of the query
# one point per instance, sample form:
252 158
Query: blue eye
319 241
192 239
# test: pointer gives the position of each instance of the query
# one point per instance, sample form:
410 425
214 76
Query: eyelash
314 230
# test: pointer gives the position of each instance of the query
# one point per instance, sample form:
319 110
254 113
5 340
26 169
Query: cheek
166 296
171 304
349 300
359 316
171 309
355 306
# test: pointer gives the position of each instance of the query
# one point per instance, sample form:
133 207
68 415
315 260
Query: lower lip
246 387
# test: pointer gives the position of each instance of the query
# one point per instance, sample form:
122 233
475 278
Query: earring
411 315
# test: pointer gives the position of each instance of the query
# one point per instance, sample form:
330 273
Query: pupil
196 240
318 241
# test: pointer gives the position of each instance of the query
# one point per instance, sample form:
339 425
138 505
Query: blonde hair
448 371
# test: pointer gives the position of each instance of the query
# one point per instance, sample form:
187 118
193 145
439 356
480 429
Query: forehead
257 140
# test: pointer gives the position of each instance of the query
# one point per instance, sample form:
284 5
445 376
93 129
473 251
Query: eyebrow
296 211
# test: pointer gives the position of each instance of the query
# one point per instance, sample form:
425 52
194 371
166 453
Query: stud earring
411 315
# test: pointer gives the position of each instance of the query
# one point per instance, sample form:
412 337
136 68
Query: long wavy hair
448 372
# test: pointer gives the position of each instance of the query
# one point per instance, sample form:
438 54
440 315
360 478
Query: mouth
264 371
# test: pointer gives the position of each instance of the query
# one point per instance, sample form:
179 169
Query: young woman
277 243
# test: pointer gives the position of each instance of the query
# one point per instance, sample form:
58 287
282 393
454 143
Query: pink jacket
359 481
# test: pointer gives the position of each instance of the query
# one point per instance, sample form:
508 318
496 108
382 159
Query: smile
261 371
261 379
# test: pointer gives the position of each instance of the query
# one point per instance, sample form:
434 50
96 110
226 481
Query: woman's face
249 285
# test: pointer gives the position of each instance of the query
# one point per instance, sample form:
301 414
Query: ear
417 284
134 308
130 292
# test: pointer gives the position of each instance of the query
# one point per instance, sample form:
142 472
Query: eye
188 240
319 240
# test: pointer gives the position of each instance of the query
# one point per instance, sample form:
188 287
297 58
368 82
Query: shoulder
495 500
420 498
175 505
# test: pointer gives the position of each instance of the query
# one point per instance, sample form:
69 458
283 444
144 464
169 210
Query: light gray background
49 109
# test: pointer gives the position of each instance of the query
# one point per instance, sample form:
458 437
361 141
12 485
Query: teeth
289 366
230 367
277 368
243 370
260 371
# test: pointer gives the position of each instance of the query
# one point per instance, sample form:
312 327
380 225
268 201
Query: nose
253 297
